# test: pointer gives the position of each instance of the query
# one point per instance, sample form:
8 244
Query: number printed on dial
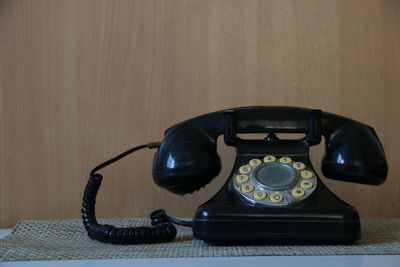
299 165
306 174
247 188
269 158
259 195
276 197
245 169
242 178
255 162
285 160
306 184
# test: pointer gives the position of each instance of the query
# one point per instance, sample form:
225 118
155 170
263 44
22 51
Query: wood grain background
81 81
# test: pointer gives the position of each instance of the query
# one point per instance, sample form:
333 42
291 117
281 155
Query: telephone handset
273 193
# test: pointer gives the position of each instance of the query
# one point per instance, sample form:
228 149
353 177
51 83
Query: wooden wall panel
83 80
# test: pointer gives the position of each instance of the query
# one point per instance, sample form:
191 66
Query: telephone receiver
273 193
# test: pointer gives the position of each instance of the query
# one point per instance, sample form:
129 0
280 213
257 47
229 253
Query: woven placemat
67 239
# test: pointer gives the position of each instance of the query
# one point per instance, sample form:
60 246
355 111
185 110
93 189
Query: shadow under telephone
273 193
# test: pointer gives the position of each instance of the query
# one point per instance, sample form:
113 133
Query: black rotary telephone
273 193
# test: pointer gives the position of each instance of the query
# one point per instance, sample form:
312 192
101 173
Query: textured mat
67 239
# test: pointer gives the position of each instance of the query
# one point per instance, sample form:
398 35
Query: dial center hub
276 176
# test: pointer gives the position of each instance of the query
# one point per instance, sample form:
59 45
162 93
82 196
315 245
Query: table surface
289 261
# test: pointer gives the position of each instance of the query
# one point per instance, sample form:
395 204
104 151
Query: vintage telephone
273 193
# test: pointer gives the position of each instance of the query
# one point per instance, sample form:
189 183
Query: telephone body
273 193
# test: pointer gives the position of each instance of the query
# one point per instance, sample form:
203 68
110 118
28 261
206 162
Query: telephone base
322 218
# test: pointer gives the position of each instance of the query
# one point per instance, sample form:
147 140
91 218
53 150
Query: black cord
162 230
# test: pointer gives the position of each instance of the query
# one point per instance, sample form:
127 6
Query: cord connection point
158 216
153 145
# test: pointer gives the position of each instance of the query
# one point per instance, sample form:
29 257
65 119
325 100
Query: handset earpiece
353 152
186 160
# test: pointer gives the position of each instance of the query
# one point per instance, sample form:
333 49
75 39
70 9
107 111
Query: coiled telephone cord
162 229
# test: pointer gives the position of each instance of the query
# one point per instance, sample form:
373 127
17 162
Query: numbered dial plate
274 181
